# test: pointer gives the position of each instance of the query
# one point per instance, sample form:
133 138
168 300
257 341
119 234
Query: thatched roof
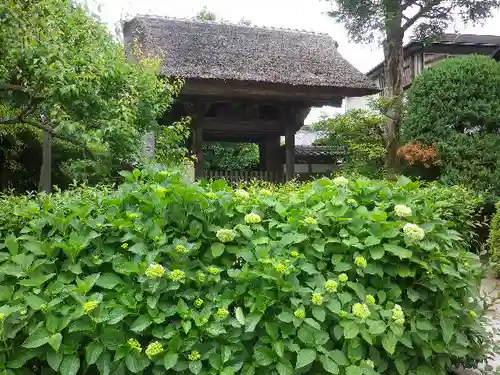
221 51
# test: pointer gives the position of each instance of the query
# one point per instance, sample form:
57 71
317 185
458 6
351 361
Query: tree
63 75
362 132
393 20
453 107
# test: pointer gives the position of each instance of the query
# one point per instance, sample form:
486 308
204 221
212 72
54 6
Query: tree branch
421 13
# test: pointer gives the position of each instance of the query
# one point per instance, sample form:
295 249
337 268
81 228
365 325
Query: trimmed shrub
333 276
453 106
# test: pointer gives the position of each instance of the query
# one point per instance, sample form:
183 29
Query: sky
306 15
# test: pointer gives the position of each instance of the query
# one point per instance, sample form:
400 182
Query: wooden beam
45 183
290 152
196 110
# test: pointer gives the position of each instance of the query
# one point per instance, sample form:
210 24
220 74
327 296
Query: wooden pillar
290 152
45 183
196 111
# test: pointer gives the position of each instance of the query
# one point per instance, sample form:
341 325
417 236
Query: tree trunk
45 183
393 76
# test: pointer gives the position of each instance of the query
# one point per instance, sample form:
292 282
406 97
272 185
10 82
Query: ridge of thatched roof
221 51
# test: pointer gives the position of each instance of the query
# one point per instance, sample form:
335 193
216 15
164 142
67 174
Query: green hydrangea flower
361 262
198 302
370 363
370 300
194 356
181 249
211 195
352 202
343 278
90 306
2 316
155 271
200 276
331 286
340 181
294 254
225 235
213 270
154 349
472 314
125 245
252 218
176 275
311 221
222 313
300 314
280 268
242 194
413 232
398 316
361 310
343 314
266 193
134 345
317 299
402 211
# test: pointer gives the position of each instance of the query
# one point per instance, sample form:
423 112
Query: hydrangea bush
331 277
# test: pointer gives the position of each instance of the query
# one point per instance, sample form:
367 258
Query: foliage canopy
62 72
335 276
454 106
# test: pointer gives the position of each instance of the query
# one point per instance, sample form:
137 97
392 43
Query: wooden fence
243 176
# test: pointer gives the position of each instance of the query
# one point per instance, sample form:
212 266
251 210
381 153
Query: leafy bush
363 133
454 106
495 241
334 276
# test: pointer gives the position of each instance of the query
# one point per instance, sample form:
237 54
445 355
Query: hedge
335 276
495 241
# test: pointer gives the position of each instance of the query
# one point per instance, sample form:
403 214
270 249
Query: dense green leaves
126 280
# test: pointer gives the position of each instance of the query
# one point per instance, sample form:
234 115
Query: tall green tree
392 20
63 75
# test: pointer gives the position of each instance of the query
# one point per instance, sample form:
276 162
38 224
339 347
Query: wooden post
196 111
45 183
290 151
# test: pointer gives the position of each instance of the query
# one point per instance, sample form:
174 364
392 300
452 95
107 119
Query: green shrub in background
454 106
335 276
495 241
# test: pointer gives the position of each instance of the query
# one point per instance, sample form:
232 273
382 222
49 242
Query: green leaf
69 365
292 238
305 357
400 366
279 348
389 342
136 362
329 365
263 356
401 252
170 360
240 316
377 252
93 351
12 244
351 330
251 321
109 280
284 369
353 370
358 289
141 323
339 357
376 327
195 367
319 313
334 305
217 249
104 363
54 359
112 338
424 325
448 329
55 341
371 241
34 301
215 361
35 247
38 338
313 323
285 317
20 357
